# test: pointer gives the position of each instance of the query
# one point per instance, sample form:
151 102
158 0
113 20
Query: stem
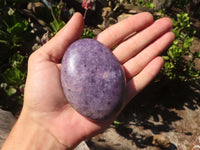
5 23
52 13
60 9
5 42
85 14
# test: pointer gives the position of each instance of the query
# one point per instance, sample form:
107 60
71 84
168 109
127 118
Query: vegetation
176 67
16 29
12 56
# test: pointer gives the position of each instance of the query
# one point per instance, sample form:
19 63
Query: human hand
44 102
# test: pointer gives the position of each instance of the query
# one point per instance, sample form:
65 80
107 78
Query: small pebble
161 141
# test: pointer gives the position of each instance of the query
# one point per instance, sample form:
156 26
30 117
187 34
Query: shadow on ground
155 109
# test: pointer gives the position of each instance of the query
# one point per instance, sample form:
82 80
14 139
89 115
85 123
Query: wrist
29 135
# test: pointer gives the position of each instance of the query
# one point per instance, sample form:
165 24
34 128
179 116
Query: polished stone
93 80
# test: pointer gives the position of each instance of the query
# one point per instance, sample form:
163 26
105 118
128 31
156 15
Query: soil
163 116
171 110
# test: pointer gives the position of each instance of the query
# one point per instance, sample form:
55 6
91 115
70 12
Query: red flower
87 4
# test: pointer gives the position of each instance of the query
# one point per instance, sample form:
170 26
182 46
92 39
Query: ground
174 114
168 111
171 110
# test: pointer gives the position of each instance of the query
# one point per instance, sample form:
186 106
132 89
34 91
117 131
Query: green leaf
149 5
165 57
10 91
4 42
18 28
87 34
196 54
116 122
14 76
17 60
57 25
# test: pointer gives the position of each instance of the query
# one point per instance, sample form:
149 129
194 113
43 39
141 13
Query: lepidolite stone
92 79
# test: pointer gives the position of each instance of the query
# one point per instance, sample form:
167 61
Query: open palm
44 99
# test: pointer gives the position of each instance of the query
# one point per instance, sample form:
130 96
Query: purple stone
93 80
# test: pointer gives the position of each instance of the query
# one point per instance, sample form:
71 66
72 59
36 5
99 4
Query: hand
44 101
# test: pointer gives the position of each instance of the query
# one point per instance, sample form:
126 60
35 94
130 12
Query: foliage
14 77
143 3
57 23
12 25
15 29
87 34
176 66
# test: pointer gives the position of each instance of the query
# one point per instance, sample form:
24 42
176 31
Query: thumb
72 31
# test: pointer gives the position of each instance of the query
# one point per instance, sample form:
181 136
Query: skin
47 121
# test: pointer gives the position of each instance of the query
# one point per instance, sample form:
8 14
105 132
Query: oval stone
93 80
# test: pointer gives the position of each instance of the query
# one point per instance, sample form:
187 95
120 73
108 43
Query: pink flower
87 4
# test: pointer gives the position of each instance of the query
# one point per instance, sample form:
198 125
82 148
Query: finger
137 63
72 31
114 34
137 42
136 84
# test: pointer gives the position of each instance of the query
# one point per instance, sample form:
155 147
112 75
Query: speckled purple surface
92 79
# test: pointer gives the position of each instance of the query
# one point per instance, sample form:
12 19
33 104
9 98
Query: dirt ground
161 117
173 114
